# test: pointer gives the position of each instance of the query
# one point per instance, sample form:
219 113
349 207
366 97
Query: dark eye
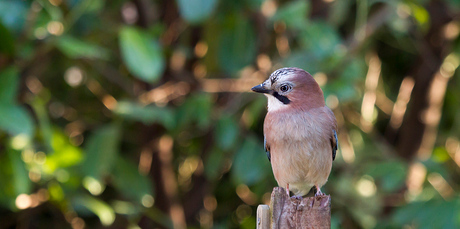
285 88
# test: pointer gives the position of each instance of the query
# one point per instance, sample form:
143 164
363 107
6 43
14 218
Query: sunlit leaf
9 82
55 191
195 11
101 152
105 213
440 155
75 48
421 15
248 222
128 180
147 114
125 207
64 153
237 46
142 54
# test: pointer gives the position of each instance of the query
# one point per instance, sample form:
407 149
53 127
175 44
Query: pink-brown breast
300 146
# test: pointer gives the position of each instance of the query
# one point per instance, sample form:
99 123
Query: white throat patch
274 104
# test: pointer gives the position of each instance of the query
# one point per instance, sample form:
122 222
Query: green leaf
64 153
146 114
127 179
196 108
345 87
6 41
105 213
16 120
237 46
250 164
75 48
142 54
214 163
101 152
226 132
13 14
9 82
55 190
39 104
440 155
304 60
338 11
294 14
196 11
7 192
435 213
421 16
391 174
254 4
159 217
20 174
321 39
256 111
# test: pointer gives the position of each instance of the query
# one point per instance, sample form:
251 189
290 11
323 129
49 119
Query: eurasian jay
300 135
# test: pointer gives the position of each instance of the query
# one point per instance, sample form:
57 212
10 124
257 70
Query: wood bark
289 212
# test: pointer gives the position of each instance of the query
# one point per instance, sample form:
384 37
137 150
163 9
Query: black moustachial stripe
281 98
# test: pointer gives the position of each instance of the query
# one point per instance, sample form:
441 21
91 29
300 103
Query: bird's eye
285 88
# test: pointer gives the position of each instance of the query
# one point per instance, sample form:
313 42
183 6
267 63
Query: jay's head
291 88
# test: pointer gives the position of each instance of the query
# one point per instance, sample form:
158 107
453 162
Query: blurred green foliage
137 114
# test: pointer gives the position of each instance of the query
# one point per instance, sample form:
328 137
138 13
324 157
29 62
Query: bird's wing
267 149
334 143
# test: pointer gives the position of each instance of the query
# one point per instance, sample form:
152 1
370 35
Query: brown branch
429 62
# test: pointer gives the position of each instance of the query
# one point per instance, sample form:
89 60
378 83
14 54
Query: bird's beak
260 89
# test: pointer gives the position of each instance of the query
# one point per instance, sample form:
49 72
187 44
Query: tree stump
285 212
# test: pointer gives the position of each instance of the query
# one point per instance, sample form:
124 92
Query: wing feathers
267 149
334 144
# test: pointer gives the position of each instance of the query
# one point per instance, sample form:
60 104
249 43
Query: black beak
260 89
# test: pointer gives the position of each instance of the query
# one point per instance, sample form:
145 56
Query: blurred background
138 114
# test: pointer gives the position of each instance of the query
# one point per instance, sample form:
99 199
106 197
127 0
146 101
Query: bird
300 131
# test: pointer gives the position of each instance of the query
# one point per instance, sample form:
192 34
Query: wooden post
263 217
286 212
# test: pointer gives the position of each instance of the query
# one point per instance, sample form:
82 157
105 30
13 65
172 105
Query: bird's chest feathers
299 146
296 126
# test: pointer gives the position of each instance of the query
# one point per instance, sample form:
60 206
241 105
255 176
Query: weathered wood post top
286 212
